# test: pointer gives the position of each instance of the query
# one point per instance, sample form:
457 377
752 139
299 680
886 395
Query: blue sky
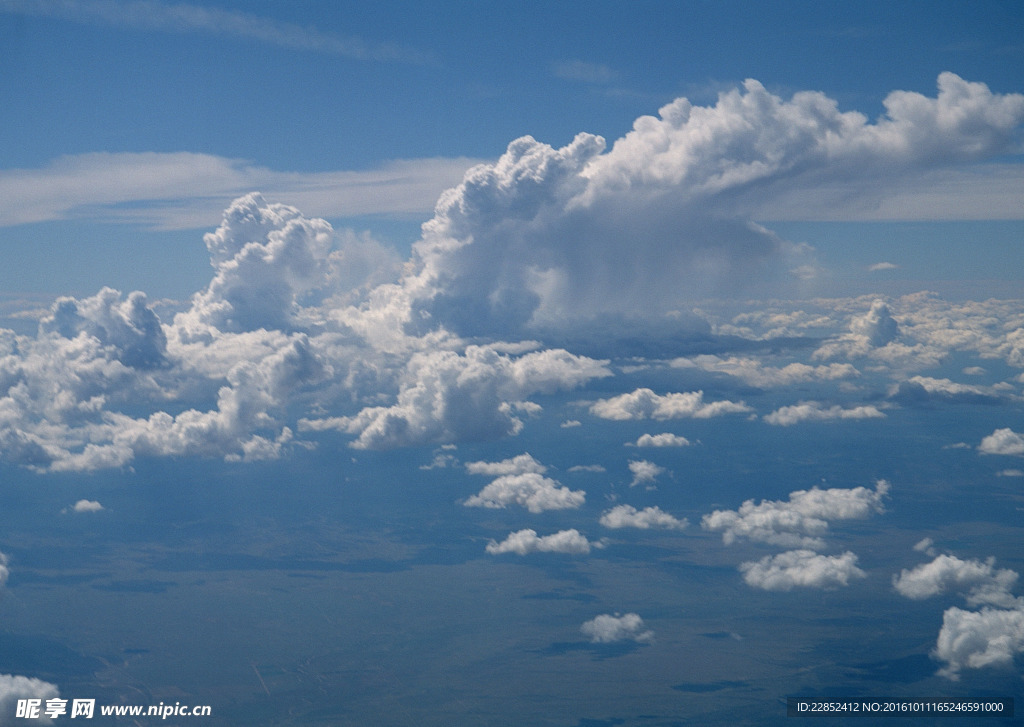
406 359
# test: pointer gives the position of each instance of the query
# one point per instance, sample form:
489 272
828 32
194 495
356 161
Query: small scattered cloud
801 569
627 516
643 403
1002 441
988 638
644 472
584 72
882 266
530 490
85 506
800 522
814 411
979 581
524 542
665 439
608 629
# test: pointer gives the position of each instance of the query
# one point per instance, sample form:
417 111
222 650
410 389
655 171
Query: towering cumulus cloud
666 215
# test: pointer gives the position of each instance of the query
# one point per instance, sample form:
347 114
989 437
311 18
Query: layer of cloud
607 629
524 542
627 516
800 522
643 403
801 569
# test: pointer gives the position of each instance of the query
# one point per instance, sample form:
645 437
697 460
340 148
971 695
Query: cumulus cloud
524 542
990 637
799 522
13 688
4 570
1002 441
665 439
86 506
813 411
980 581
643 403
607 629
920 389
627 516
518 465
801 569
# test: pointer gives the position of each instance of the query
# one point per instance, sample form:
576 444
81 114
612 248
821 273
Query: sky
510 363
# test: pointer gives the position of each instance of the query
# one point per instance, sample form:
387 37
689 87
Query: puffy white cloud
799 522
926 388
665 439
990 637
87 506
13 688
607 629
1002 441
644 472
813 411
627 516
981 582
643 403
524 542
446 396
527 489
801 569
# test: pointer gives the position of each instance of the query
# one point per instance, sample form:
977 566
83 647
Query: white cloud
4 570
882 266
665 439
627 516
990 637
87 506
607 629
527 489
644 472
645 404
799 522
813 411
1002 441
524 542
13 688
801 569
980 581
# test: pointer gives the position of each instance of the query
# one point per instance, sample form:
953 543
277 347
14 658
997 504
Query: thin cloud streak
186 18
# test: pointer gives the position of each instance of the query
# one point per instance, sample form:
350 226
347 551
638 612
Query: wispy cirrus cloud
188 18
185 190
